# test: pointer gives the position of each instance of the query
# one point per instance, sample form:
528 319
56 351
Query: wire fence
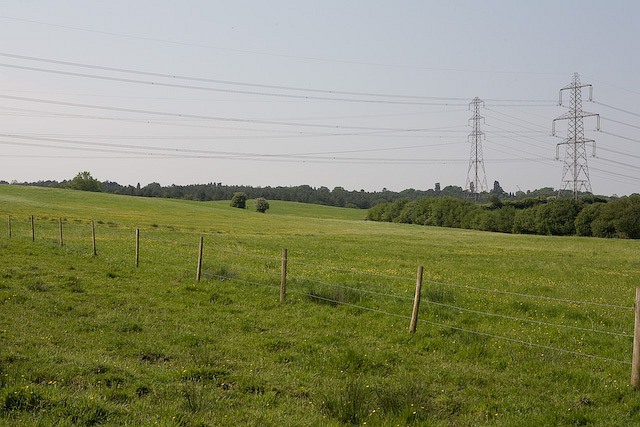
445 304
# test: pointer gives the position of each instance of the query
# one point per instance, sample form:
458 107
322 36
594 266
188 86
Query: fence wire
22 230
542 297
470 331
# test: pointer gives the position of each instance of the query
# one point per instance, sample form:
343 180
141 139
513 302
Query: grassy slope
87 340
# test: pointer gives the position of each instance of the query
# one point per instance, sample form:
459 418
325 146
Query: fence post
33 229
9 224
61 240
416 302
635 361
93 238
199 270
137 247
283 277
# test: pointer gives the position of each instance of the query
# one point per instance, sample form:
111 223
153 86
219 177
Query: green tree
239 200
377 212
261 205
628 219
557 218
524 221
497 189
85 182
585 219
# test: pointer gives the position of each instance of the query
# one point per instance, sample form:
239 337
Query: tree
586 217
85 182
261 205
153 189
497 189
557 218
628 219
239 200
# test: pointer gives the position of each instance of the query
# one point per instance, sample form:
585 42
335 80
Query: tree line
533 212
338 196
588 216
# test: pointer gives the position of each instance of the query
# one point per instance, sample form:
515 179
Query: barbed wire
375 310
520 319
26 223
513 340
454 307
360 307
496 291
354 289
249 282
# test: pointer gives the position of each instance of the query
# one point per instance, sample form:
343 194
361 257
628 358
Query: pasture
513 330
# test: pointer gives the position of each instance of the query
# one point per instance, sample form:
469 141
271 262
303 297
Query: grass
90 340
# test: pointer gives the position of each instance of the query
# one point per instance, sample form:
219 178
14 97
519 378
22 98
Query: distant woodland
587 216
338 196
534 212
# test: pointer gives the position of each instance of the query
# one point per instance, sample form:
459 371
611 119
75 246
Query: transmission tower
575 172
476 177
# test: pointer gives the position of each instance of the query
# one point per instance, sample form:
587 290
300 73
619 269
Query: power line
626 154
619 163
202 117
621 123
253 52
236 83
621 175
543 128
192 153
620 136
617 109
212 89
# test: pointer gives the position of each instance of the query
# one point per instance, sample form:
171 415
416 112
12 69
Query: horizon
384 189
332 94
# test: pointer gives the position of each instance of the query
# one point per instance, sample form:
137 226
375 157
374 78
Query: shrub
377 212
261 205
85 182
239 200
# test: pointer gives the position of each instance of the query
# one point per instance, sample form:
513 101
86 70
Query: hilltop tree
85 182
239 200
261 205
497 189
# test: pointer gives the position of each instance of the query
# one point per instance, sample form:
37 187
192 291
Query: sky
354 94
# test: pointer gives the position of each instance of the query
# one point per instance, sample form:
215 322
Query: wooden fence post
200 249
635 361
283 277
33 229
137 247
416 302
93 238
61 240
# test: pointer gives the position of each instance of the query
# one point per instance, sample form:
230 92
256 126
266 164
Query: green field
514 330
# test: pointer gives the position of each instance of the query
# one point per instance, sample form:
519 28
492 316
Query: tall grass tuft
349 405
333 295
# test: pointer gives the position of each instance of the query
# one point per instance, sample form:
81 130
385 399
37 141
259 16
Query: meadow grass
90 340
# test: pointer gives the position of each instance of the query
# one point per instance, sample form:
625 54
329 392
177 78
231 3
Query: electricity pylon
476 176
575 172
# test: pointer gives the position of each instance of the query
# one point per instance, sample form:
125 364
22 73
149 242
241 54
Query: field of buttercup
513 330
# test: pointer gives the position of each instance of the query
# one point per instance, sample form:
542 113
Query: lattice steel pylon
476 176
575 172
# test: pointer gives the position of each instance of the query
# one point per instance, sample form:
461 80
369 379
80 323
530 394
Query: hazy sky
357 94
